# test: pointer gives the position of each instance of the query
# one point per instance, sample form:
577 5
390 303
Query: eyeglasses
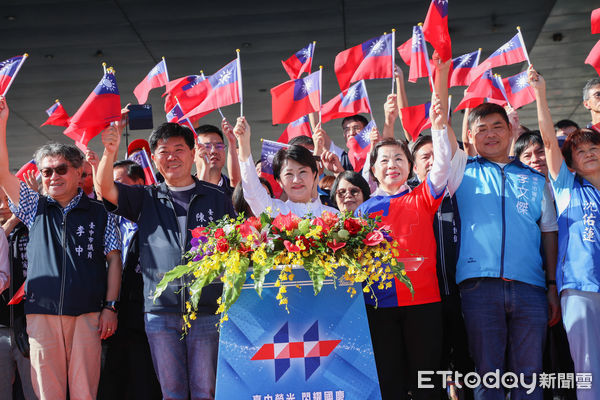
60 170
343 192
217 146
353 129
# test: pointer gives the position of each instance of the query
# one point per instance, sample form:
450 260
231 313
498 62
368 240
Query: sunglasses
342 192
62 169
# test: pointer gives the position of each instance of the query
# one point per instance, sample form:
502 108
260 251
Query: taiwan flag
370 60
419 59
415 119
300 62
102 107
435 28
177 115
359 146
57 115
29 166
483 87
300 127
141 158
293 99
511 52
460 70
405 51
596 21
189 91
593 58
157 77
352 101
268 151
518 90
9 70
223 89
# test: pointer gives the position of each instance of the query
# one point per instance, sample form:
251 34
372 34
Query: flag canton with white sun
108 85
381 46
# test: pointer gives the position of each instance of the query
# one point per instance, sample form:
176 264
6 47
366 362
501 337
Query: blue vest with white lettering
578 264
499 210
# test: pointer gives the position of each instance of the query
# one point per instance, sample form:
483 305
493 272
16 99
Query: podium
320 350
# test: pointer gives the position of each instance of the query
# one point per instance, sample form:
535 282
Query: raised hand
111 138
437 114
3 109
374 136
92 157
30 180
228 132
332 162
390 109
536 81
242 132
319 138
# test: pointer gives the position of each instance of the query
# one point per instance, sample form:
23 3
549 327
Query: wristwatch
111 305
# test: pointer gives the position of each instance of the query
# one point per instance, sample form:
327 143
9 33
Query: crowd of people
505 221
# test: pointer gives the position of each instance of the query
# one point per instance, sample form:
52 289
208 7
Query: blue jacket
499 211
161 246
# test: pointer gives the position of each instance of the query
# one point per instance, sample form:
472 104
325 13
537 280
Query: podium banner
320 350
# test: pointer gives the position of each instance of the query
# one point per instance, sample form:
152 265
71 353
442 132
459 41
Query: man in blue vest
70 294
165 215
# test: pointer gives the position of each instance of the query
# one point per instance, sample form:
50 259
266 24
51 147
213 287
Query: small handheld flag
141 157
268 151
9 70
293 99
157 77
351 101
435 28
300 62
518 90
57 115
29 166
415 119
359 146
300 127
511 52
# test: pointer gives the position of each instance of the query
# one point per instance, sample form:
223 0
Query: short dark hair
239 202
301 141
354 178
565 123
390 142
210 129
70 153
300 154
577 138
588 85
355 118
526 140
134 170
420 142
168 130
485 109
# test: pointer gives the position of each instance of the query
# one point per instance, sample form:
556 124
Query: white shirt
259 200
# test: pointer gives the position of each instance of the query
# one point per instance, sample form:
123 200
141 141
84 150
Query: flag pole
498 79
104 68
320 91
166 72
523 44
393 60
426 53
239 72
25 55
449 106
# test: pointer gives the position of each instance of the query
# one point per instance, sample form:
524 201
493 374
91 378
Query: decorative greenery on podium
364 252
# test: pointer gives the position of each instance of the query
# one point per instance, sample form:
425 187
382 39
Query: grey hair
70 153
589 84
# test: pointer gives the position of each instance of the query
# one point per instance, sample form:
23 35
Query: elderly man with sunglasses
70 293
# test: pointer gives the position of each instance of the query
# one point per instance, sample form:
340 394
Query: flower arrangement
365 252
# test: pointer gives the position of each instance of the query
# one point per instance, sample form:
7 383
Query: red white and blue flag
157 77
435 28
370 60
518 90
9 70
415 119
300 127
222 89
486 86
300 62
141 157
28 166
177 115
511 52
351 101
593 58
461 68
405 51
102 107
57 115
419 58
188 92
595 20
293 99
268 151
359 146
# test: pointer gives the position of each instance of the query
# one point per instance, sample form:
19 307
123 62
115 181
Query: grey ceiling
68 40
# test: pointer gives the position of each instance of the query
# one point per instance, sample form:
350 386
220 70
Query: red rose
373 238
286 222
352 225
335 246
222 245
219 233
291 247
199 231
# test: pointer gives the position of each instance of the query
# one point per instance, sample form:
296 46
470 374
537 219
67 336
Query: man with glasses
212 153
70 294
591 100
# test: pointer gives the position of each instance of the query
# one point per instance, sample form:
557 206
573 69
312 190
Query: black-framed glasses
217 146
62 169
343 192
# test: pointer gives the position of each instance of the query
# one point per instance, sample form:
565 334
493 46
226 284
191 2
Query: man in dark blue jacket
165 215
